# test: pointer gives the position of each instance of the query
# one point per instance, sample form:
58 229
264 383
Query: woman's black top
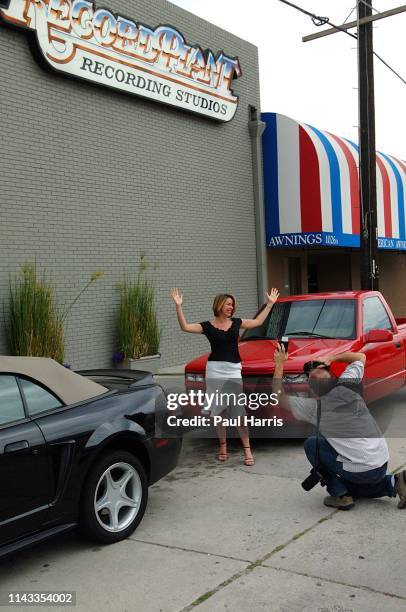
224 344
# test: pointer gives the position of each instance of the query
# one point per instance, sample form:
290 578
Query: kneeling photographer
349 454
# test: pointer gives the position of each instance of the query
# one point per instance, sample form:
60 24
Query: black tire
89 524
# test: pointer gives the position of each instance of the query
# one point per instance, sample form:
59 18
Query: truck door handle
16 446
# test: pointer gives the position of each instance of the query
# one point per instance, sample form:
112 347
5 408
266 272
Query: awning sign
76 37
313 239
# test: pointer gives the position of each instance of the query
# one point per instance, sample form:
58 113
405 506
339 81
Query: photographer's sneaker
400 488
345 502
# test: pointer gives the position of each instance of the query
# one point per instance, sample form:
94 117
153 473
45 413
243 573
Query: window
11 404
375 316
324 318
38 399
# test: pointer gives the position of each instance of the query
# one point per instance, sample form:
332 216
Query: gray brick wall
90 177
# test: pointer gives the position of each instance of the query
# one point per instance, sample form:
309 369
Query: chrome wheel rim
117 498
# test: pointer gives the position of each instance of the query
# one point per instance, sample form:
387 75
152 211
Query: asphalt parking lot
228 537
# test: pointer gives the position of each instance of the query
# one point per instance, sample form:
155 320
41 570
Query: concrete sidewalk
228 537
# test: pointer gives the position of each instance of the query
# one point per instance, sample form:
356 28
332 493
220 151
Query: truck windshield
309 318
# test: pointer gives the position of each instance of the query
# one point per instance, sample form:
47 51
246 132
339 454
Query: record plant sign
80 39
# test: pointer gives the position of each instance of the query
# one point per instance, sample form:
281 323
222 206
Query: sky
316 82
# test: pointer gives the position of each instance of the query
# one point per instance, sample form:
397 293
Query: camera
313 478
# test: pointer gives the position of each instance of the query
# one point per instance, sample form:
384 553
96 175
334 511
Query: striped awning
312 189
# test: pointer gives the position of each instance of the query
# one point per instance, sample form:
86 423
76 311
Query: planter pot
150 363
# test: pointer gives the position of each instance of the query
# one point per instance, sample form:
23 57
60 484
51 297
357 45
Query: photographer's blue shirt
346 423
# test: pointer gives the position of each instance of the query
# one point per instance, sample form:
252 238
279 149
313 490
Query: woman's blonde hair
220 300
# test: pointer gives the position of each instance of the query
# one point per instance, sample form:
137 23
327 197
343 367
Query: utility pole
367 151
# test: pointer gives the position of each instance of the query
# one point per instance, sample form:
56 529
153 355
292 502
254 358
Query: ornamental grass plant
137 323
35 323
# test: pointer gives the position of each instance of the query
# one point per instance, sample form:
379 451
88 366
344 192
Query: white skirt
224 377
223 369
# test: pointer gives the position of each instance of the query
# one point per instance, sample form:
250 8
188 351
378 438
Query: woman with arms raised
224 362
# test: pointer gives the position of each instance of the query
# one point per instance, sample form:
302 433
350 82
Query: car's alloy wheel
117 497
114 497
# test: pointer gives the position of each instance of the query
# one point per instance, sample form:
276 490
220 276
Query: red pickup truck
319 325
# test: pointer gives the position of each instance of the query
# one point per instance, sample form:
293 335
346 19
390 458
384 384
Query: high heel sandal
221 456
249 461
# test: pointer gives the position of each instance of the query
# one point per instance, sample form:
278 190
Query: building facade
92 176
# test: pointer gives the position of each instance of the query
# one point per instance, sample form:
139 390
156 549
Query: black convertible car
77 449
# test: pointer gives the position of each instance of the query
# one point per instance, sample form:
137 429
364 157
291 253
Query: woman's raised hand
176 296
273 296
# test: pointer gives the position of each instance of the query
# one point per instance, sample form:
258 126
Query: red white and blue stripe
312 189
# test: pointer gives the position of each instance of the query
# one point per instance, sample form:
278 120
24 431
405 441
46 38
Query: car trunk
119 379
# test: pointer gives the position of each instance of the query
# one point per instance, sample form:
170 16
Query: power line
349 14
318 21
390 67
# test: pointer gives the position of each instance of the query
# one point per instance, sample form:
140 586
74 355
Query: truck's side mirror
378 335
